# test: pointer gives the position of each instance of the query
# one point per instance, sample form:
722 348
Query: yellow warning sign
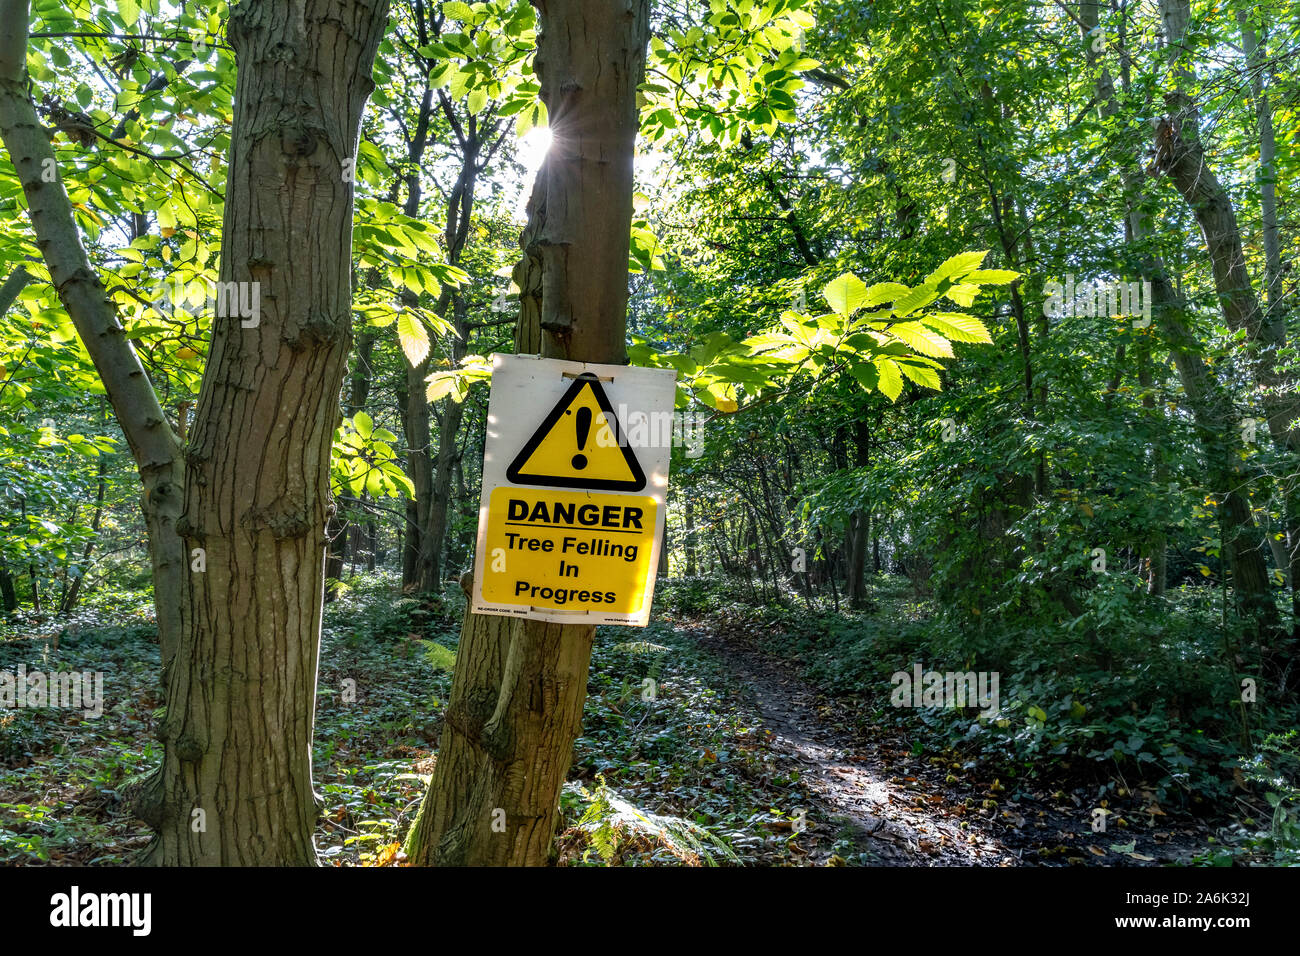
579 445
558 549
574 496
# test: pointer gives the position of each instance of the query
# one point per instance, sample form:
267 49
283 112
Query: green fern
609 818
440 658
640 647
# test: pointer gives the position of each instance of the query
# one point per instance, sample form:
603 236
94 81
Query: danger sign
572 513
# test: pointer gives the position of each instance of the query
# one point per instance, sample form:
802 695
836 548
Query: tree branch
78 286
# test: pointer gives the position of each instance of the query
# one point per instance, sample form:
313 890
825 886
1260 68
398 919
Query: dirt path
848 779
897 809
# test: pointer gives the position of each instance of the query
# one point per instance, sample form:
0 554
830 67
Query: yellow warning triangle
579 445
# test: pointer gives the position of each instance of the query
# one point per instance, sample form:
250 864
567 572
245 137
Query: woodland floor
735 758
875 801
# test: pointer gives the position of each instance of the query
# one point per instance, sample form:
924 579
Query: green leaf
413 336
846 294
458 11
958 326
883 292
921 339
958 265
918 298
767 341
922 375
866 375
991 276
891 382
364 424
963 294
530 119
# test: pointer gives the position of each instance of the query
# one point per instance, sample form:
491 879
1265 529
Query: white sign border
516 382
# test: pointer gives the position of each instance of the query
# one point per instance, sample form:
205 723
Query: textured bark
241 698
517 697
154 446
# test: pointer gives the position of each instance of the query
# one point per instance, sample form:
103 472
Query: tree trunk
516 701
8 596
235 785
1276 304
460 208
688 539
340 531
419 468
855 589
1256 60
453 413
70 599
1213 413
154 446
1180 156
1157 542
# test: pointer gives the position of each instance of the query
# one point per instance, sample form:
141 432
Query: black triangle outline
544 429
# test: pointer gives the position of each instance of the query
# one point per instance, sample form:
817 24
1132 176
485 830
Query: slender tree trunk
1256 60
1215 415
8 595
1157 543
516 701
460 208
153 444
448 454
74 592
419 468
1276 304
688 539
340 531
235 785
855 589
1181 156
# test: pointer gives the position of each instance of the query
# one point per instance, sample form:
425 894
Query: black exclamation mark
584 426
